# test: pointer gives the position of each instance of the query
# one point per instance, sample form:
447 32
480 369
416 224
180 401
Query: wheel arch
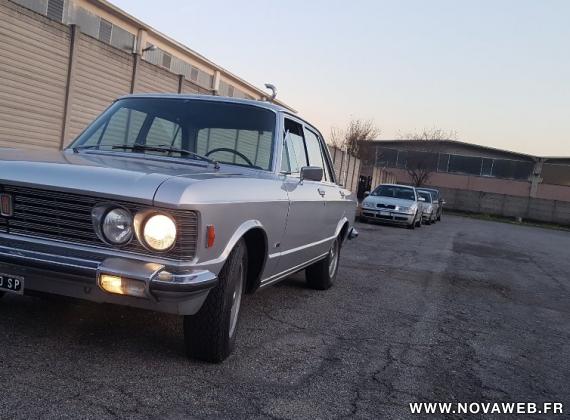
342 229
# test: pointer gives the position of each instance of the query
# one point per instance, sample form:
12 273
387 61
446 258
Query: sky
496 72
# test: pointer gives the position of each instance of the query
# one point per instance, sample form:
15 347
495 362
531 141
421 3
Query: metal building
62 62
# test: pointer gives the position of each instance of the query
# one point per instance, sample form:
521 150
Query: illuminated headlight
117 226
159 232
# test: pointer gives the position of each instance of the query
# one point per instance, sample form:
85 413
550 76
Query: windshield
393 191
225 132
425 195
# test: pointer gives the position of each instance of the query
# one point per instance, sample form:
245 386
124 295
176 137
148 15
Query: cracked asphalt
466 310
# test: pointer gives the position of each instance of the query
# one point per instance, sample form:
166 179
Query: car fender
240 231
339 226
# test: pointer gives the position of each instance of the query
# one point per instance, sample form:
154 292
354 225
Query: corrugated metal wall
34 58
95 86
346 167
190 88
151 78
36 55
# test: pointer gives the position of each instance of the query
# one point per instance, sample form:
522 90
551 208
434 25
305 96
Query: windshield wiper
76 149
166 149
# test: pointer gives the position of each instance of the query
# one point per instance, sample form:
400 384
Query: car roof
209 98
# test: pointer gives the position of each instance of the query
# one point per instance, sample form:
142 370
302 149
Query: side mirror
421 199
366 193
311 173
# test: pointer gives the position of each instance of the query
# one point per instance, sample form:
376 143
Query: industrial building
478 178
62 62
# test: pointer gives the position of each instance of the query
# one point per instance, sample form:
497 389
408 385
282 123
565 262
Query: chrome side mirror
311 173
366 193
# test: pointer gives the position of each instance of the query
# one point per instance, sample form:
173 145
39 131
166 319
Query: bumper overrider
137 281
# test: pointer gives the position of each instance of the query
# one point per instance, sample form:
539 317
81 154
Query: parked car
437 199
176 204
393 203
427 206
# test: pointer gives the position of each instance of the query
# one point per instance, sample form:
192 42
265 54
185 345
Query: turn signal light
122 286
210 236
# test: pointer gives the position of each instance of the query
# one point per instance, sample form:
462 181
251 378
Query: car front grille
67 217
386 206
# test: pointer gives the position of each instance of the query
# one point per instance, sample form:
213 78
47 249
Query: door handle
322 192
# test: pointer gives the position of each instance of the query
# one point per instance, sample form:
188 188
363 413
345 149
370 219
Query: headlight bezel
139 218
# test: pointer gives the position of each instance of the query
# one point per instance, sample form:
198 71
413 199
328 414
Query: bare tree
420 165
356 131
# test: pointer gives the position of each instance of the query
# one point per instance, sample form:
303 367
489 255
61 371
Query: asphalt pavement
465 310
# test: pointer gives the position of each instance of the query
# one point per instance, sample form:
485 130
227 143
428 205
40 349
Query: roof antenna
273 90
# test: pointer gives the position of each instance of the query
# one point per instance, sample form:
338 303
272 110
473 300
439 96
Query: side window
316 153
294 155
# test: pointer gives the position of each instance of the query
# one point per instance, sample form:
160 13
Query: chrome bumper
166 289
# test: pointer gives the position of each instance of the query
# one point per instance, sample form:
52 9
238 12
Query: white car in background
428 207
393 203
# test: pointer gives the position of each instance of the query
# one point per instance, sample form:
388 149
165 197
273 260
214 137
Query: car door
304 238
333 195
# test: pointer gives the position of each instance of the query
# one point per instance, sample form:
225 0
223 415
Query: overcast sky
495 71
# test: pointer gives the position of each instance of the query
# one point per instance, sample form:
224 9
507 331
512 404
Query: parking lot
466 310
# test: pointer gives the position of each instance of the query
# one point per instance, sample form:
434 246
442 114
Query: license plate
384 213
10 283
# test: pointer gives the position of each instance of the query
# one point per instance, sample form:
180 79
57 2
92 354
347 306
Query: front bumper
166 289
388 216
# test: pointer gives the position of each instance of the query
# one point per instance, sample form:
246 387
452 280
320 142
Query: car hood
374 199
104 174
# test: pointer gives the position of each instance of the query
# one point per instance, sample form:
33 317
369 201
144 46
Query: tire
210 334
321 275
411 226
419 223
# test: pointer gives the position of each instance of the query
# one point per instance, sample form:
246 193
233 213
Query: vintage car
177 204
394 204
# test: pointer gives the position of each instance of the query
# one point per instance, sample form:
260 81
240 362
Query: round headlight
159 232
118 226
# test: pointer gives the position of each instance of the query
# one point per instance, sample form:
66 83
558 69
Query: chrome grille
67 217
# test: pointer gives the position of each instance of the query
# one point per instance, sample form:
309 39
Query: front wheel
210 334
321 275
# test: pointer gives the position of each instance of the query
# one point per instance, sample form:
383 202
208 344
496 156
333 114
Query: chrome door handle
322 192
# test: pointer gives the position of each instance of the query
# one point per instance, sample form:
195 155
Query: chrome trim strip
280 276
301 248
